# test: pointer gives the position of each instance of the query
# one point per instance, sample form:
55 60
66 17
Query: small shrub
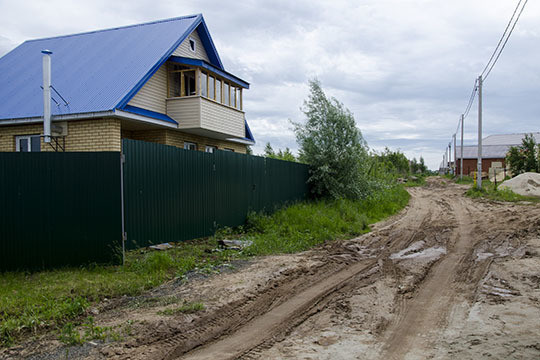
70 336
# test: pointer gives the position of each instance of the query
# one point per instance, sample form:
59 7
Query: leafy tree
524 157
333 146
286 155
394 162
269 151
414 166
249 150
422 166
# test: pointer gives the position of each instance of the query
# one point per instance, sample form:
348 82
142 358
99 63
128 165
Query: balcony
201 116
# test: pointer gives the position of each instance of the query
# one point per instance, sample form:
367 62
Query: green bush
525 157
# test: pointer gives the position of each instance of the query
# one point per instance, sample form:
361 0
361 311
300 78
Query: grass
466 180
186 308
489 191
420 181
304 225
48 300
59 300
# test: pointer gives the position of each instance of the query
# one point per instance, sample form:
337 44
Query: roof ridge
118 27
520 133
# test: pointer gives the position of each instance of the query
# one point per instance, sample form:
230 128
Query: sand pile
527 184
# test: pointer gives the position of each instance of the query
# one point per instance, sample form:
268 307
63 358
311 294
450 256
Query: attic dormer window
192 44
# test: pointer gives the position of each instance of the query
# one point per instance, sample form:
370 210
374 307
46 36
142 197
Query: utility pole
455 151
445 160
479 161
450 156
461 160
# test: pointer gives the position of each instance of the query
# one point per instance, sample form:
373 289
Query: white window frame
192 41
210 149
188 145
27 137
228 149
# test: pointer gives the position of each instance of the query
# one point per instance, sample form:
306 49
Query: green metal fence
59 209
62 209
172 194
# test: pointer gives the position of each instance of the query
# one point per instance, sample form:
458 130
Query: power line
471 99
491 63
505 41
502 37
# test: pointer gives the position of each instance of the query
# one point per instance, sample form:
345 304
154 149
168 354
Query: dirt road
448 277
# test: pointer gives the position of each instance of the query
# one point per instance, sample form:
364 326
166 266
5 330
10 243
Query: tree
269 151
286 155
524 157
414 166
422 166
249 150
394 163
333 146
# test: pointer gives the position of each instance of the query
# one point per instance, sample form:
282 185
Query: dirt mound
527 184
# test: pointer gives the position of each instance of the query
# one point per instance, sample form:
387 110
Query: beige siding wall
177 138
199 112
221 118
186 111
153 94
86 135
185 51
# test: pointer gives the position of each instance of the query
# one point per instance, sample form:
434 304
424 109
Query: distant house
161 81
494 149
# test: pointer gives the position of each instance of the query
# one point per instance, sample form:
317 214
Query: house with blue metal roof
161 81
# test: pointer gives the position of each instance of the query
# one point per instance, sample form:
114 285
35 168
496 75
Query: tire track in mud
458 274
242 331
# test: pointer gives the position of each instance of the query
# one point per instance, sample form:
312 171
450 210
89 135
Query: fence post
124 235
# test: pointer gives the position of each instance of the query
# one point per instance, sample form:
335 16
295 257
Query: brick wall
106 134
84 135
469 165
177 138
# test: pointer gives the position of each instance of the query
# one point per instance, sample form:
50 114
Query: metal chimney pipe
46 95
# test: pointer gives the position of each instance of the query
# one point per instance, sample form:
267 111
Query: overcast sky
404 68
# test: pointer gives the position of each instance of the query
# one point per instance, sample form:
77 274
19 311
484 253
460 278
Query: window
218 90
192 45
211 86
226 94
227 149
189 83
204 84
210 149
190 145
239 99
27 143
193 80
182 81
233 96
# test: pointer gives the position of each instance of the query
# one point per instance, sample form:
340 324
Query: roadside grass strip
490 192
304 225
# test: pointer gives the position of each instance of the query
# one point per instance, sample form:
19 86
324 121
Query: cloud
404 68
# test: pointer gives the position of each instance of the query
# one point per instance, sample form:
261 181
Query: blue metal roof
94 71
149 113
